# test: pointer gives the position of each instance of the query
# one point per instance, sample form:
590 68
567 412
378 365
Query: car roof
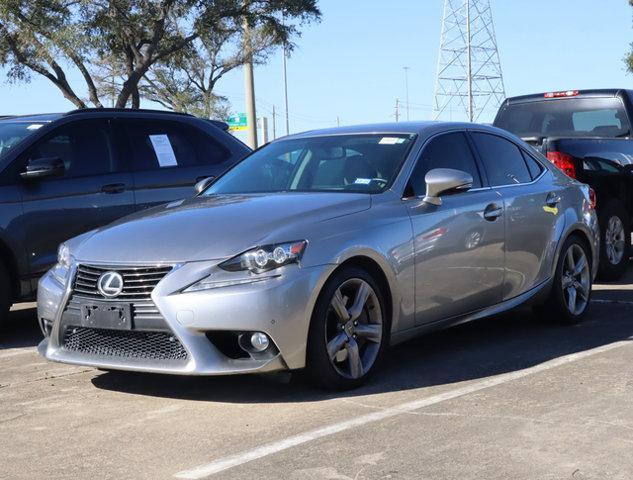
393 128
105 112
35 118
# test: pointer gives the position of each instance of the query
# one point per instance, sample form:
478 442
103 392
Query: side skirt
534 296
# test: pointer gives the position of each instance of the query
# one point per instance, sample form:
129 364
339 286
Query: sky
348 68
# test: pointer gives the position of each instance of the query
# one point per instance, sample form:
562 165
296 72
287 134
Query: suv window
85 148
503 160
164 144
450 150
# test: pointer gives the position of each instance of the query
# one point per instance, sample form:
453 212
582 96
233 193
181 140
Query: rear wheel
6 293
569 299
615 236
347 331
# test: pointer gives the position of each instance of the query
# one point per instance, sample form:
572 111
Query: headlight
64 259
262 259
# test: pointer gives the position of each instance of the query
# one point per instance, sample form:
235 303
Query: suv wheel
5 293
615 241
347 331
571 292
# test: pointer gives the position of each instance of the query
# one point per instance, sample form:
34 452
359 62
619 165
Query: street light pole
285 54
406 83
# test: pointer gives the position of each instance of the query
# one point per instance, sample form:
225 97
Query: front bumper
280 307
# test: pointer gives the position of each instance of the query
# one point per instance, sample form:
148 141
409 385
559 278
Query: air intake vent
124 344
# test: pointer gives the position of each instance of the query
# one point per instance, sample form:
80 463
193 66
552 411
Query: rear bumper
280 307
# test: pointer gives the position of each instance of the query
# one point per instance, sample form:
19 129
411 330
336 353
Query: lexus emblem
110 284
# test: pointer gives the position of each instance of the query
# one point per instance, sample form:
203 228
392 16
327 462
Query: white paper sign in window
163 150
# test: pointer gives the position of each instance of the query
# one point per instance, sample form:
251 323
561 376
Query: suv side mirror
441 181
203 184
43 167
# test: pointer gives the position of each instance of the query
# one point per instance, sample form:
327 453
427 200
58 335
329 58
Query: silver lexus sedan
320 250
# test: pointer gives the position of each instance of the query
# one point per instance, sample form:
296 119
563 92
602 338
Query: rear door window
158 145
502 159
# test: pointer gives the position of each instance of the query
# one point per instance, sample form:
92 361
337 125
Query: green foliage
120 46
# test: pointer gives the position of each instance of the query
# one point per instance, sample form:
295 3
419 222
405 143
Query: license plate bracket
117 316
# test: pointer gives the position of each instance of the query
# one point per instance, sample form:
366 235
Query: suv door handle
492 212
552 199
113 188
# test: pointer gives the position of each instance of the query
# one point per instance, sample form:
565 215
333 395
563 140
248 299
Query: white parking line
231 461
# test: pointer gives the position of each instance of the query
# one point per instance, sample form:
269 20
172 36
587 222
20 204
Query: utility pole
470 63
264 121
397 109
406 83
286 90
249 87
274 124
338 121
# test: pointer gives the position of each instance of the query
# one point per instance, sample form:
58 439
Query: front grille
138 282
124 344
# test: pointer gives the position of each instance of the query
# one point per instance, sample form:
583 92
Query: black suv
65 174
587 134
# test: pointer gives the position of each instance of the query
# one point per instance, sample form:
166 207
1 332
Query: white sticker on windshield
362 181
391 140
34 126
164 152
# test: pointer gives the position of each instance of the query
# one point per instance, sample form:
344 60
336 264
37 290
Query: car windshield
12 133
567 117
365 163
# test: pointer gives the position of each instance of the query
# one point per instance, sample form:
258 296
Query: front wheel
347 331
571 292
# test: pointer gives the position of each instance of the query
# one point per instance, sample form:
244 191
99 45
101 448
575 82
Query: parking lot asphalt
507 397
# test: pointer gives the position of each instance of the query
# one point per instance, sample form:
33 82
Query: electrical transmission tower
469 75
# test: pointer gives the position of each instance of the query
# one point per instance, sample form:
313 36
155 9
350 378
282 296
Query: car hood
214 227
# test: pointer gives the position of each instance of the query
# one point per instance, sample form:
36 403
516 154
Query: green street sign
237 122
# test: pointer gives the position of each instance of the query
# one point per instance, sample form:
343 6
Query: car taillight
563 161
592 198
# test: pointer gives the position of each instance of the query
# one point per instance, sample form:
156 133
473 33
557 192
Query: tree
123 37
185 82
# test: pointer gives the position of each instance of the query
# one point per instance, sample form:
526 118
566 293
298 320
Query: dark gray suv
65 174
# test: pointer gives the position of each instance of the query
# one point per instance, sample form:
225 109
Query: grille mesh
124 343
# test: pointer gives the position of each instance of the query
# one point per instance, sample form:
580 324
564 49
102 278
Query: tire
558 306
615 241
336 326
6 293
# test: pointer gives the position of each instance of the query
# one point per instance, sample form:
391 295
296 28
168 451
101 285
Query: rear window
567 117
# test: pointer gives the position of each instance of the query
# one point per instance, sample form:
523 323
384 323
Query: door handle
492 212
113 188
552 199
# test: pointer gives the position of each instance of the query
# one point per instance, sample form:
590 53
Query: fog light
259 341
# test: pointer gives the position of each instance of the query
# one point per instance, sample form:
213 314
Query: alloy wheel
614 238
354 325
576 280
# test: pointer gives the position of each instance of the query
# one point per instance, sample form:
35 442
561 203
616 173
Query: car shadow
21 328
477 350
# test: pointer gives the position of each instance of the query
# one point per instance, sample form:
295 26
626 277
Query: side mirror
441 181
203 184
43 167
